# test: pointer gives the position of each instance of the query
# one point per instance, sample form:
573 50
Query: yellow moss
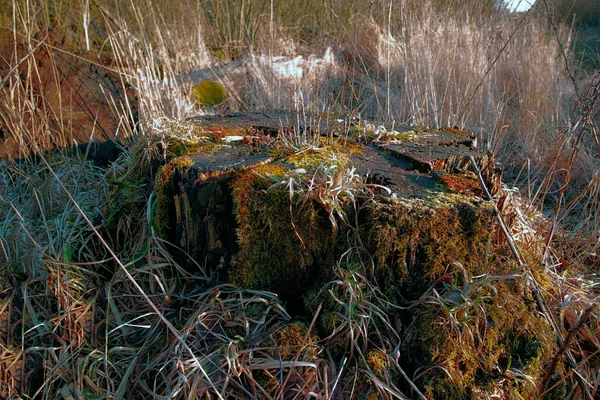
378 362
181 162
269 170
209 93
352 148
179 148
328 151
290 340
314 158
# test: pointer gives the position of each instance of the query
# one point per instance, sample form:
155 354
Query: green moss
181 162
336 152
160 219
413 241
209 93
279 242
313 158
179 147
488 340
287 243
469 329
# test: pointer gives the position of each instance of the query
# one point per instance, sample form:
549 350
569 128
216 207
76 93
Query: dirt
75 86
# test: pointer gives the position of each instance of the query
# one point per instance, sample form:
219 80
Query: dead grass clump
247 345
40 221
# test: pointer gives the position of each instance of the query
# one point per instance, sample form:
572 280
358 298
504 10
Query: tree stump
238 205
382 233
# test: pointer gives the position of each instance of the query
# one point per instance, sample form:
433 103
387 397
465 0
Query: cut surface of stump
245 123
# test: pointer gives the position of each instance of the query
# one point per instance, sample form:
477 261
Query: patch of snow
232 138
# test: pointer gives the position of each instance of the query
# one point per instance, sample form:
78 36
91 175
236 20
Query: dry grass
66 304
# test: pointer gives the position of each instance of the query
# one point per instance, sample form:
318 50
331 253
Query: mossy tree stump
197 196
196 205
405 214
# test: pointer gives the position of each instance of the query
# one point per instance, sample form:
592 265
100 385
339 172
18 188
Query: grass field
94 305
